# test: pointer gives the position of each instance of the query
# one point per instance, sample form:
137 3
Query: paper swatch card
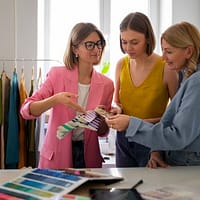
41 184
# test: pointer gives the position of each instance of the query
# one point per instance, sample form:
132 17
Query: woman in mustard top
143 85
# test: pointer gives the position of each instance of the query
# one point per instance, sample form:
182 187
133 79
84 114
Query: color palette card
42 184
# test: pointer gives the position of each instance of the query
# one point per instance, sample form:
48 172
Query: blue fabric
179 128
182 158
130 154
12 147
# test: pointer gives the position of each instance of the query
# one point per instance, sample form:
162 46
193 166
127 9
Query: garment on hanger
20 139
31 157
22 132
40 123
5 106
12 147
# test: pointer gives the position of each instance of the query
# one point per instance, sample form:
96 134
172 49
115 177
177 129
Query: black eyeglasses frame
90 45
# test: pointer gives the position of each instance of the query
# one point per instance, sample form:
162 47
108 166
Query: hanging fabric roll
12 147
20 139
31 157
40 122
22 133
5 106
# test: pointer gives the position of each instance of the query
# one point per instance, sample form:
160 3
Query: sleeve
44 92
110 95
175 133
109 90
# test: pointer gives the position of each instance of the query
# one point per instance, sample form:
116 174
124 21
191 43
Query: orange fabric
22 135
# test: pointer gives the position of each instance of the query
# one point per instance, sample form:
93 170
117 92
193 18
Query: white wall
7 29
184 10
18 35
26 28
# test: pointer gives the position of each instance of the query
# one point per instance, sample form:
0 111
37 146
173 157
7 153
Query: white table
153 178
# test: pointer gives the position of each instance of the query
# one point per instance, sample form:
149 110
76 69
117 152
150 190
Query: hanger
32 73
3 66
22 72
39 80
15 69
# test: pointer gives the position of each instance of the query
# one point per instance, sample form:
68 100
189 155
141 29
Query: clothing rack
23 138
23 60
29 59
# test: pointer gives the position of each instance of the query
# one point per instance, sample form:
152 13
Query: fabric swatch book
38 184
91 120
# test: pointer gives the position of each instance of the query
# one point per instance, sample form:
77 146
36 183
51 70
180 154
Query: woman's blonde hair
183 35
78 33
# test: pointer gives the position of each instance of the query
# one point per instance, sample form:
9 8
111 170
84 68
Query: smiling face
133 43
176 58
89 56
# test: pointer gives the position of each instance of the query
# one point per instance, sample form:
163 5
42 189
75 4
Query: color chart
42 184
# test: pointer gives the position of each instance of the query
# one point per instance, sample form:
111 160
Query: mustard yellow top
148 100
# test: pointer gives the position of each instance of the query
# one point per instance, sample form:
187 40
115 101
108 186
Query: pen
137 184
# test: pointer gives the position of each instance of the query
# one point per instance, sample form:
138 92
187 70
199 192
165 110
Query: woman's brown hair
78 33
139 22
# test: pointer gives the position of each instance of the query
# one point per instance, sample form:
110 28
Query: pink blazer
55 153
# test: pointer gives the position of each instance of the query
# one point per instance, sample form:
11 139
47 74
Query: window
57 17
63 16
117 15
55 21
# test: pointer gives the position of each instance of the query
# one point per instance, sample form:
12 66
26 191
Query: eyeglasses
89 45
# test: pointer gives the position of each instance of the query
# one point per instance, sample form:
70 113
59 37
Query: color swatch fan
90 120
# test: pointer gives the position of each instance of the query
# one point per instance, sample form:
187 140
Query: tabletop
188 177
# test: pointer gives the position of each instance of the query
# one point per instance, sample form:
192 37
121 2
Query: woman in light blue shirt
177 134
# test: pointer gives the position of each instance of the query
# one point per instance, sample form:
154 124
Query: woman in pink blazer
67 91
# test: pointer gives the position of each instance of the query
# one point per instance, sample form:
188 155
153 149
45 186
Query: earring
76 55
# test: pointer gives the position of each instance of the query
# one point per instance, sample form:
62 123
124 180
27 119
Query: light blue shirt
179 128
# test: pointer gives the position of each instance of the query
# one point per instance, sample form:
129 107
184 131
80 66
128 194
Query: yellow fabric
22 132
148 100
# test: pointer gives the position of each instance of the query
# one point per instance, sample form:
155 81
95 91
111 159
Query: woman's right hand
68 99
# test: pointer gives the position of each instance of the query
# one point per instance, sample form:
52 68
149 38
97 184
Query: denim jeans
130 154
182 158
